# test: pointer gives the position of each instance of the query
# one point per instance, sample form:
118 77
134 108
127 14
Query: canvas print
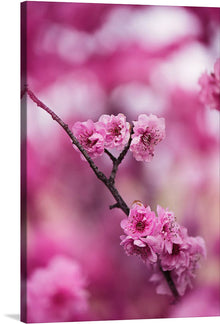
120 162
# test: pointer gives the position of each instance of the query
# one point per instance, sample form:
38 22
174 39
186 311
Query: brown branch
98 173
110 155
39 103
114 206
109 183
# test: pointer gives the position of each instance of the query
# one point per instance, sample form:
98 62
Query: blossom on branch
91 136
210 87
117 130
184 269
163 243
168 229
141 247
140 222
148 132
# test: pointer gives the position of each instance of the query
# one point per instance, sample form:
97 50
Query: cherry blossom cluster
210 87
112 131
161 242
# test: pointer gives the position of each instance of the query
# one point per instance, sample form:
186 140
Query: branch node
111 180
114 206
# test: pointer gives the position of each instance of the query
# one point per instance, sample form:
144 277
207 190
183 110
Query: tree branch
109 183
40 104
98 173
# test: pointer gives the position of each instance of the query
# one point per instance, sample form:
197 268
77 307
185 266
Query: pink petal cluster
117 130
182 263
210 87
91 136
57 292
139 228
140 222
110 131
148 132
114 132
163 243
167 229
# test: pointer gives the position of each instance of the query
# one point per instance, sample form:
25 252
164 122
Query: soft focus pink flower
183 263
210 87
117 130
196 246
140 222
57 292
168 229
185 273
91 136
176 258
148 131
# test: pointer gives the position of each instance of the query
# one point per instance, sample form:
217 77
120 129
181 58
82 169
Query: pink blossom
183 264
140 247
178 257
57 292
117 130
148 132
140 222
163 243
91 136
184 274
210 87
197 246
168 229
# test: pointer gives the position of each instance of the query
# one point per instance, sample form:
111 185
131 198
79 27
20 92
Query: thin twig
114 206
112 157
117 161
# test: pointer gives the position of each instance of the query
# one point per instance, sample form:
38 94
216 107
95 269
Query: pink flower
91 136
148 132
210 87
183 264
176 258
184 274
140 222
168 229
140 247
163 243
57 292
197 246
117 130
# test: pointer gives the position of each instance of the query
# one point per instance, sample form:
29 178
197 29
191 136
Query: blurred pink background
84 60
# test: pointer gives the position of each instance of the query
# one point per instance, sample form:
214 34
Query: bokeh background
84 60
